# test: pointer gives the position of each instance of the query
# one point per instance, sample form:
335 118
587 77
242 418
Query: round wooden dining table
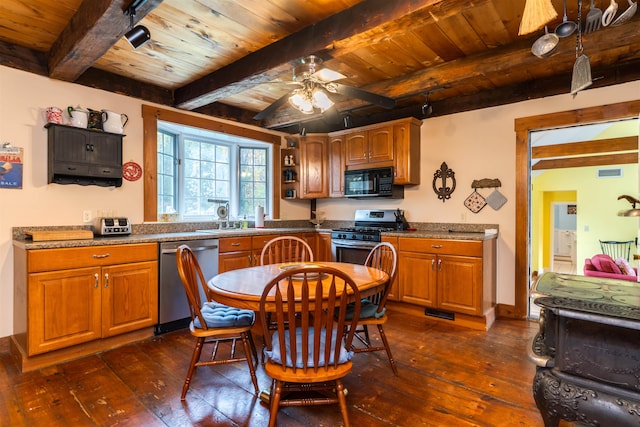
243 288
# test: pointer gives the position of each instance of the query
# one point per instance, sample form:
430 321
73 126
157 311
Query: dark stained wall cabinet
83 156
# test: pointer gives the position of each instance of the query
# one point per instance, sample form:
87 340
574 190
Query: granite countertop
171 232
440 234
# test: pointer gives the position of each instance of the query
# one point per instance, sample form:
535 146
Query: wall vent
610 173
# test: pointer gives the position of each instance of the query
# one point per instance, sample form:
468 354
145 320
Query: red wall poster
10 166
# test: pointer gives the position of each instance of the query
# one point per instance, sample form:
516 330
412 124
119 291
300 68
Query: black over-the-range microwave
372 183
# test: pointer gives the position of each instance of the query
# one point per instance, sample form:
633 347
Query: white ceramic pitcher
79 117
114 122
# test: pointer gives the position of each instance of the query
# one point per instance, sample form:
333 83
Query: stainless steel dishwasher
173 308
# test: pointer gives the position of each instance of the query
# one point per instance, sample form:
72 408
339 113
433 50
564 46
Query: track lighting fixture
138 35
348 122
427 108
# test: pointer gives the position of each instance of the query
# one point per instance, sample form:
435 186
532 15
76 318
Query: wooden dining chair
373 311
308 351
286 249
213 323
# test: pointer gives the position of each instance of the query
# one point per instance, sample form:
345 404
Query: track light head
138 36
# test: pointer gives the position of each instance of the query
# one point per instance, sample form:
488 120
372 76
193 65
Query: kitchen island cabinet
70 296
450 279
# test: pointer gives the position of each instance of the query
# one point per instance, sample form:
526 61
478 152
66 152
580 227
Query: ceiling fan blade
332 115
365 95
272 108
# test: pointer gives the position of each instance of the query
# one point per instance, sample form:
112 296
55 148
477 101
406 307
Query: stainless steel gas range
353 244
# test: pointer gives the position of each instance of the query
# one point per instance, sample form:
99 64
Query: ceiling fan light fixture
301 101
320 100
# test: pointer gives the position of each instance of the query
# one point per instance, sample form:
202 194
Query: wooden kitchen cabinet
245 251
395 143
314 167
323 252
290 176
336 166
235 253
70 296
450 276
373 148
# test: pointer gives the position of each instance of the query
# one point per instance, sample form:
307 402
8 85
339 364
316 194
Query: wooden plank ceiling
232 59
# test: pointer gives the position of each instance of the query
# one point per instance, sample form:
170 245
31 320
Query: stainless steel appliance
371 183
112 226
173 308
353 244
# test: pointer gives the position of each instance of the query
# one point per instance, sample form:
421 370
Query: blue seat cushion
218 315
276 357
367 310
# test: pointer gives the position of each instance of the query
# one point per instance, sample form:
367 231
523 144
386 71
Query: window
199 171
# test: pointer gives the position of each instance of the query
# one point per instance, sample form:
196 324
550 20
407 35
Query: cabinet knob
97 279
436 246
439 264
235 244
106 280
433 263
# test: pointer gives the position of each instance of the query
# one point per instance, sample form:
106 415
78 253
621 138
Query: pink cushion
625 267
603 262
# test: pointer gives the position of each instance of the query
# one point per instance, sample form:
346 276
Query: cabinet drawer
89 256
232 244
258 242
441 246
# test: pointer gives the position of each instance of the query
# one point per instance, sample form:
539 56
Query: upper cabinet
314 160
369 148
83 156
336 166
319 160
305 168
395 143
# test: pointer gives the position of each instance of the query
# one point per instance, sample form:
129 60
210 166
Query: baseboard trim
30 363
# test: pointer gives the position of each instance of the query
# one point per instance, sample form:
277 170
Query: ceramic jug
114 122
79 117
96 118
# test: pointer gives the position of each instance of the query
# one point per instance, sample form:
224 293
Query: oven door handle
350 245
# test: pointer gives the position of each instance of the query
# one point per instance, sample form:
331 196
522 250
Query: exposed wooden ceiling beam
24 59
464 70
92 31
265 64
578 162
611 145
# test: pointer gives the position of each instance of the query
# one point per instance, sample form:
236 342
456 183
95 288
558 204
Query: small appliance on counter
112 227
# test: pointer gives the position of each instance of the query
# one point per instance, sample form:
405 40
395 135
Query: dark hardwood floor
449 376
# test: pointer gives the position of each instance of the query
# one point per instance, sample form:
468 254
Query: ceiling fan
316 84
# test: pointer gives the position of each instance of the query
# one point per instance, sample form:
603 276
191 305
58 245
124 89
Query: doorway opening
610 151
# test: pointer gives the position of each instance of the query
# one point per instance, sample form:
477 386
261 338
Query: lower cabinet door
64 309
129 297
417 283
460 284
234 260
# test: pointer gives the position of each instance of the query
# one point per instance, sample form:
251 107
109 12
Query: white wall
477 144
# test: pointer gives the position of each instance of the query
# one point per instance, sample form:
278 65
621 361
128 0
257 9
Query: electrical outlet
86 216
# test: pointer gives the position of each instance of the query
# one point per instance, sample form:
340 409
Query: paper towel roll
259 217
